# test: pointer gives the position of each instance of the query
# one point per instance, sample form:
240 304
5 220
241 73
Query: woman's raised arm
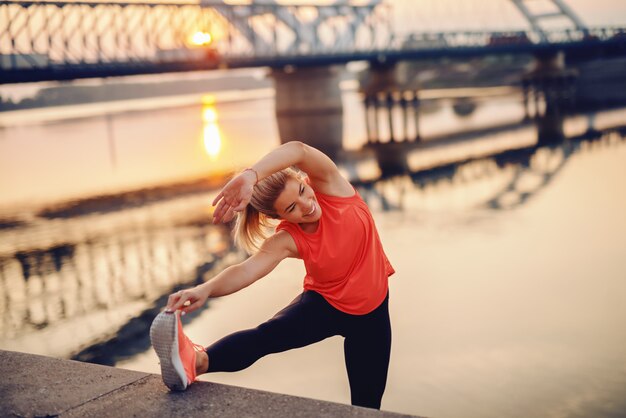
322 172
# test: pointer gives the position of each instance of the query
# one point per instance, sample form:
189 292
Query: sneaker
176 352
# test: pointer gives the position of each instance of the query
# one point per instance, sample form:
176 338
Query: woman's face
297 203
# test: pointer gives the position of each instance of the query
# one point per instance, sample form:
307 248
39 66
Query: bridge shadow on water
542 156
543 161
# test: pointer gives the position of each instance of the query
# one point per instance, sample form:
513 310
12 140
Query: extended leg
308 319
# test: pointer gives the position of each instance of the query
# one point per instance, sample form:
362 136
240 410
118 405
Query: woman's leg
306 320
367 348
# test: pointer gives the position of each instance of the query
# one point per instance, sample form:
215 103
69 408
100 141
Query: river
509 297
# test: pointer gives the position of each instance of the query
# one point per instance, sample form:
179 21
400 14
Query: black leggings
309 319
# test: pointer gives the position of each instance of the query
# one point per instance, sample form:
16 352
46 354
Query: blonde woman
323 221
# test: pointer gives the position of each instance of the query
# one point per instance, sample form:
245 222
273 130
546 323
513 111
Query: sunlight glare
211 132
201 38
212 140
209 116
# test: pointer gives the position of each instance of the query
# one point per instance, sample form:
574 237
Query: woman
324 222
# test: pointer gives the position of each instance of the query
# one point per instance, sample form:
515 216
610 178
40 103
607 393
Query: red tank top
344 258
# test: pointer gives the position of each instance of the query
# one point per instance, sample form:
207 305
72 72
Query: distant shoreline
64 95
112 202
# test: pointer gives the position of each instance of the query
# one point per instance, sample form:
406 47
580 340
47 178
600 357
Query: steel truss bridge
57 40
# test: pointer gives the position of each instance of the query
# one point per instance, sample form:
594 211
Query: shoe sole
164 339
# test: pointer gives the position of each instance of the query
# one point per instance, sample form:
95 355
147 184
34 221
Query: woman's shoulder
288 237
337 187
286 226
337 198
339 202
281 242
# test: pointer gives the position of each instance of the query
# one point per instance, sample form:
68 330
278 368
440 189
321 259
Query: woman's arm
234 278
321 170
323 173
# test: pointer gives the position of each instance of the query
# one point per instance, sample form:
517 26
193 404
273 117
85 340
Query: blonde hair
255 222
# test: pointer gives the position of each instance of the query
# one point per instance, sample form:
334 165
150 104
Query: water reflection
513 161
94 273
117 256
496 312
84 280
211 131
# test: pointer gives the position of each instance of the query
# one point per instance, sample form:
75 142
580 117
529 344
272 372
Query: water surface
509 296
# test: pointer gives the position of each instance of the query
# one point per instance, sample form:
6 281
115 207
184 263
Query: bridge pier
384 97
399 110
550 87
309 108
390 106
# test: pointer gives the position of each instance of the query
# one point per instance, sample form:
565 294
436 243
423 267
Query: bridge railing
38 34
63 40
486 39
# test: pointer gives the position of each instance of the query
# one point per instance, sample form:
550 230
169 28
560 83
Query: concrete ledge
34 385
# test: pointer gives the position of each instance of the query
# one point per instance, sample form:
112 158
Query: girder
117 38
63 40
301 28
559 10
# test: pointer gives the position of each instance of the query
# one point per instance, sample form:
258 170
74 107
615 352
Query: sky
600 12
442 15
592 12
476 14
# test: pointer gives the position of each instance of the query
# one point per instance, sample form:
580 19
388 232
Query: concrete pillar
415 103
390 104
537 103
376 121
405 116
550 127
549 62
378 78
309 108
368 102
383 84
552 82
526 92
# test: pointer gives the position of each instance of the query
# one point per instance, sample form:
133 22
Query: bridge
304 45
58 40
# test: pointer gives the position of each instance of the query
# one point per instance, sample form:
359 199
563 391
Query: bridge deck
67 40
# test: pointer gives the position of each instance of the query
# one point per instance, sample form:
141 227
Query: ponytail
251 229
255 223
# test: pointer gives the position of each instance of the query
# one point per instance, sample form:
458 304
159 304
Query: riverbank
72 389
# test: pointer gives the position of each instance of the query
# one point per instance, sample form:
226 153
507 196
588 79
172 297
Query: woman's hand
187 300
234 196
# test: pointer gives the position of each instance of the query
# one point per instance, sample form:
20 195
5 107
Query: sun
201 38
